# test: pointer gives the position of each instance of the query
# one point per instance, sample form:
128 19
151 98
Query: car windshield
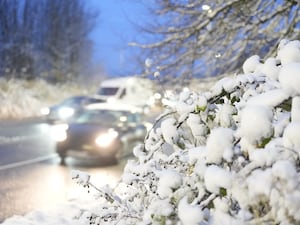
108 117
108 91
81 100
74 100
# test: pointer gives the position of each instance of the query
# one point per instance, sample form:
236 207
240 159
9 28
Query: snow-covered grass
226 156
23 99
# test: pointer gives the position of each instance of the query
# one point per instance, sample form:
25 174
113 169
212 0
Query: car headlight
59 132
106 139
66 112
45 111
111 100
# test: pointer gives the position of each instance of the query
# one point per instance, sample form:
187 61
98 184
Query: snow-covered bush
24 98
226 156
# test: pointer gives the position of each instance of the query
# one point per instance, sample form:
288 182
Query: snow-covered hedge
226 156
22 99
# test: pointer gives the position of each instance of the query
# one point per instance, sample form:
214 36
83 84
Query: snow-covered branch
226 156
200 37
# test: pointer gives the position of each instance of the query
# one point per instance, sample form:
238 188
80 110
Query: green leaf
181 145
222 192
265 141
160 219
173 200
199 109
211 205
234 99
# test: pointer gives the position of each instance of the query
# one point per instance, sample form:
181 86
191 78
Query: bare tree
20 37
207 38
45 37
66 42
8 35
68 48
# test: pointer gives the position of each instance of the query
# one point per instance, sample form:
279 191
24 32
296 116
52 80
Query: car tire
114 160
62 153
62 160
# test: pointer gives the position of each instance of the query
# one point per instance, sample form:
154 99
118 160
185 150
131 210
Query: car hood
85 128
57 107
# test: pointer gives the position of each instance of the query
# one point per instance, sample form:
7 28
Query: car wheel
114 161
62 160
62 153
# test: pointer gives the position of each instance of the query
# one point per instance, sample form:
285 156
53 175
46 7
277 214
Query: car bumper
90 151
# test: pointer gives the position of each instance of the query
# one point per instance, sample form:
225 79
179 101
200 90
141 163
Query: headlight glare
111 100
106 139
59 132
66 112
45 111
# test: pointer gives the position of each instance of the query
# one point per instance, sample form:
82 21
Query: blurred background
67 40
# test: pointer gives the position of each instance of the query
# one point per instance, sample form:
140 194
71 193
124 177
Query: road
30 174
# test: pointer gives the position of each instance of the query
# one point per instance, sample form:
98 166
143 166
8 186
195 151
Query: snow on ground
68 213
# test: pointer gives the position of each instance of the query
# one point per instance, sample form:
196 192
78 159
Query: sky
114 30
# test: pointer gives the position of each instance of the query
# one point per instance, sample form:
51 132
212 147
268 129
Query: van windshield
108 91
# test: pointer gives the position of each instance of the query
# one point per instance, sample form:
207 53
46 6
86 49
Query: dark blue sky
114 31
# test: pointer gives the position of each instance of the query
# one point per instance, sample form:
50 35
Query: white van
128 90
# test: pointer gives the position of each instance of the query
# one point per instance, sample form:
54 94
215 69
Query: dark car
105 134
68 108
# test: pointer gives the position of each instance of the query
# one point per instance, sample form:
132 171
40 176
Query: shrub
226 156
